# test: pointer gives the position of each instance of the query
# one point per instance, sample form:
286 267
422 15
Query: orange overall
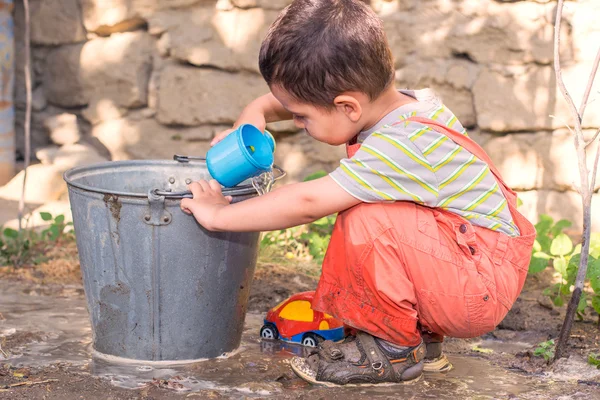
395 269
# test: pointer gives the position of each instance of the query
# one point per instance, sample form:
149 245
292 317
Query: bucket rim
69 176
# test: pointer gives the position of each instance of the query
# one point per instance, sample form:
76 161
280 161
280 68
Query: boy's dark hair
318 49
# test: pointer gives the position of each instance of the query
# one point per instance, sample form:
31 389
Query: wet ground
47 338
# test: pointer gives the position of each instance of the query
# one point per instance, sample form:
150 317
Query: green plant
305 242
560 291
550 243
594 359
56 228
14 247
18 248
554 247
545 349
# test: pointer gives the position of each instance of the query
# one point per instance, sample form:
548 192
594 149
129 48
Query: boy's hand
208 200
248 116
262 110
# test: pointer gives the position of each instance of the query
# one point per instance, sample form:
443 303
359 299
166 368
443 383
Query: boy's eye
298 116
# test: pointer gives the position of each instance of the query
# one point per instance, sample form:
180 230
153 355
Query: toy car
293 320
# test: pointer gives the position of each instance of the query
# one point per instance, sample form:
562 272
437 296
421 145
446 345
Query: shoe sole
300 368
440 364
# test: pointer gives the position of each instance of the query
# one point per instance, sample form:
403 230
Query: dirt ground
533 319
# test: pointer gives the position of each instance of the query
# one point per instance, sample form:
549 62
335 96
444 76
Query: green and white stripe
416 157
406 160
399 169
395 185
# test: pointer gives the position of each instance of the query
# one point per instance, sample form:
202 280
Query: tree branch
590 83
561 120
27 124
586 192
595 170
558 71
594 138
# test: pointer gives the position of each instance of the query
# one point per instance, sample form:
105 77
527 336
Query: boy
428 242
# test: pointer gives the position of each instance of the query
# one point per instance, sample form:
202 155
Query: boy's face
333 126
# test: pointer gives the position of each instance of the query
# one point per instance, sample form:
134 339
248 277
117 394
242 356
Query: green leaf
572 269
541 254
545 243
552 290
596 303
595 244
595 284
594 359
10 233
558 301
537 265
576 250
54 232
537 246
539 351
593 274
559 227
544 225
582 303
561 245
322 222
315 175
59 219
545 349
266 241
560 265
565 289
46 216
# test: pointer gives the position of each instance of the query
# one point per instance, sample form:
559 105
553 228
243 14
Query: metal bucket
159 287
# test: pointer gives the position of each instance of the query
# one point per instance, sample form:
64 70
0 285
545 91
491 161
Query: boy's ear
349 105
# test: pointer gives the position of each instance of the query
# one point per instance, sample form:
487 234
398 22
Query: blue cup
244 153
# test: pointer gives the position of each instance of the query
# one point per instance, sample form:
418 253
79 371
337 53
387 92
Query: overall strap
472 147
461 140
351 149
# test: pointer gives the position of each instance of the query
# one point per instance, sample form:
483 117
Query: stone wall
127 79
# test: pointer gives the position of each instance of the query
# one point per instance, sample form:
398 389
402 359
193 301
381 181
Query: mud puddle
41 331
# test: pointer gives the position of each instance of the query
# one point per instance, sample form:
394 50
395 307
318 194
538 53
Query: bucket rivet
171 180
166 219
147 217
188 181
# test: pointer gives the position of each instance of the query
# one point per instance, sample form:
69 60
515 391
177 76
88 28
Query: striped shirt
406 160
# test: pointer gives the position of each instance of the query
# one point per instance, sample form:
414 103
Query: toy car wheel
269 331
311 340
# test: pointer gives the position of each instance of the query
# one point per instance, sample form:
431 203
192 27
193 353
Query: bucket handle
187 159
234 191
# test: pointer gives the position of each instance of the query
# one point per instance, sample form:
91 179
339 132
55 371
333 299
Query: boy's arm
273 110
288 206
259 112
